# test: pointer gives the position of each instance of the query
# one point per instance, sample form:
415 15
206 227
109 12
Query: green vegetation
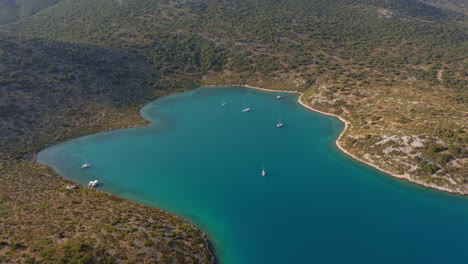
85 225
264 36
48 84
12 10
396 70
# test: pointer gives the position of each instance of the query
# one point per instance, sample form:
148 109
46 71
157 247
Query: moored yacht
93 183
279 124
246 109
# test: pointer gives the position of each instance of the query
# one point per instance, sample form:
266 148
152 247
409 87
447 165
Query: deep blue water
203 162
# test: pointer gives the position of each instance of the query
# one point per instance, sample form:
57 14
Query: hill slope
62 90
13 10
354 58
396 70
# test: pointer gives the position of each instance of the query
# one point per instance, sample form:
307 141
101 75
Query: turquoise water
203 162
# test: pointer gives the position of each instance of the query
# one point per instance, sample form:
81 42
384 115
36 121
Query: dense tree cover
183 52
456 5
8 11
48 85
183 35
11 10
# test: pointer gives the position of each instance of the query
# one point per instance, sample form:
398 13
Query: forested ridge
396 70
280 26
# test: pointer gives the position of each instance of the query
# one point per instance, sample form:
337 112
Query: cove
203 161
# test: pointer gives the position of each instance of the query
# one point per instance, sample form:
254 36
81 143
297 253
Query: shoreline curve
211 248
346 123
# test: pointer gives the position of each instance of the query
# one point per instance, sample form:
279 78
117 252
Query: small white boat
279 124
278 96
223 103
263 170
86 164
93 183
246 109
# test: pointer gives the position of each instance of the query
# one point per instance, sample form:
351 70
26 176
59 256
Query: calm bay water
203 162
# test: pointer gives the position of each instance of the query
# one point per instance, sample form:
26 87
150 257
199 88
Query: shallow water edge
223 219
340 147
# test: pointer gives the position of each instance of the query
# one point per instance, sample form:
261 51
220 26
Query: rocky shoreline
404 176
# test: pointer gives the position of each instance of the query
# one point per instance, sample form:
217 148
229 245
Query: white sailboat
279 124
85 165
263 170
246 109
223 103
